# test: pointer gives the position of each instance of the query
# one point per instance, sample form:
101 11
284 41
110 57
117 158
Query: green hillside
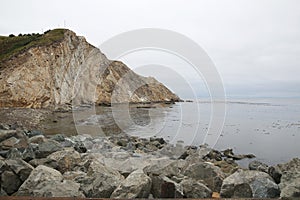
13 45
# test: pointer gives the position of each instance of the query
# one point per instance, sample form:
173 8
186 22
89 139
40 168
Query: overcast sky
255 44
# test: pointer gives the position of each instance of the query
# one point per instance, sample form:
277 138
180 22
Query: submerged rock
249 184
229 154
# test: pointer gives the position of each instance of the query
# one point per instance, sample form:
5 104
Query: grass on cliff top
13 45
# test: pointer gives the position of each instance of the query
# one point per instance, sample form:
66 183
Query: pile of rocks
122 166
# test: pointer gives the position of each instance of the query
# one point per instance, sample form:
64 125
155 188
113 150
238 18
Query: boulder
80 147
290 179
167 167
48 147
20 168
100 181
5 134
213 155
28 154
44 161
58 137
249 184
275 173
136 185
227 166
10 182
66 159
9 143
207 172
163 187
33 133
74 175
38 179
195 189
66 188
259 166
13 153
37 139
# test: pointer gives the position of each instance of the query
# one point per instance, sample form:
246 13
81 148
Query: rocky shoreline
122 166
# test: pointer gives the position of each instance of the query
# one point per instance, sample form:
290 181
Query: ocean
266 127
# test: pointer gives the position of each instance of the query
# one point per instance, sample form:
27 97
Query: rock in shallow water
136 185
249 184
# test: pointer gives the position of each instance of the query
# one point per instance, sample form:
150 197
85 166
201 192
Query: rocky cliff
60 68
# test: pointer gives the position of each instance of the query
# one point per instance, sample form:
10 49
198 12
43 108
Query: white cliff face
71 71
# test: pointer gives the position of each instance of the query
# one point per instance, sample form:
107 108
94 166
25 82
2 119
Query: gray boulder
5 134
100 181
66 159
10 182
195 189
13 153
136 185
211 175
66 188
163 187
166 167
48 147
37 179
290 179
28 153
259 166
20 168
37 139
249 184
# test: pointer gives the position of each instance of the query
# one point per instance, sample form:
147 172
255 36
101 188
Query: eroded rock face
72 71
249 184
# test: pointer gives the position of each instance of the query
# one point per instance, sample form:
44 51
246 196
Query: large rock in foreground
136 185
249 184
290 179
65 69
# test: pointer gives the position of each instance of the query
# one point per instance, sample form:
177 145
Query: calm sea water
268 128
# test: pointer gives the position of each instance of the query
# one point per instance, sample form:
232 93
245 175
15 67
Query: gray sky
255 44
